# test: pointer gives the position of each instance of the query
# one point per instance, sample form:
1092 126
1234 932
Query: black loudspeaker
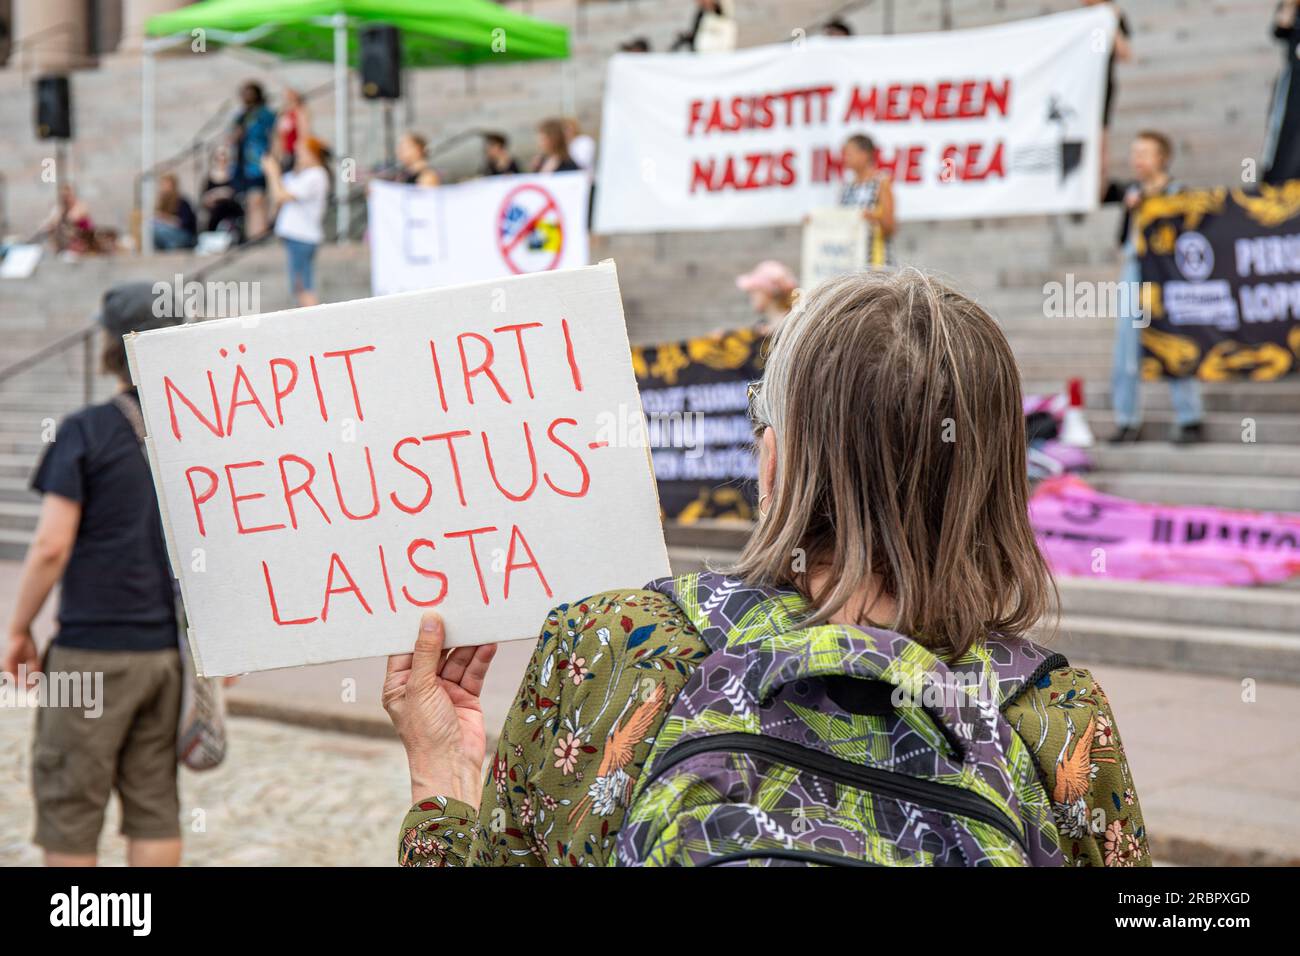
381 62
53 108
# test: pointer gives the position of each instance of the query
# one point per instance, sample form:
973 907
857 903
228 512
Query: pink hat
769 276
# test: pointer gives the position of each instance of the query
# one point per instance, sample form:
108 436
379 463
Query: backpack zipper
927 793
799 856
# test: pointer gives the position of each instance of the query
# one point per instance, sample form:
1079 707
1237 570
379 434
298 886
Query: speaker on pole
53 108
381 62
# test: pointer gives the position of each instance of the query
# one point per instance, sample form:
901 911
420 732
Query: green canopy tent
434 33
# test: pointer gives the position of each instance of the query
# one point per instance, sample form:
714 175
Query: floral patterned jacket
603 675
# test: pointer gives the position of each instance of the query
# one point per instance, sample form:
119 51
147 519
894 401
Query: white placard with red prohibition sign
422 238
326 474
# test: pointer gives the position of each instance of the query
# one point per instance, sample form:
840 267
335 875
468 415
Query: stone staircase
1201 72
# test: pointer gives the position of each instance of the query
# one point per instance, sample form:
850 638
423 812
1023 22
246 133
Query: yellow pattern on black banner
1221 283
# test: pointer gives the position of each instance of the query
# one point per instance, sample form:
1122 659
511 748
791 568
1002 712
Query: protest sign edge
155 473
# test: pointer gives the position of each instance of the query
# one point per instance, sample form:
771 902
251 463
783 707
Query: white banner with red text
995 121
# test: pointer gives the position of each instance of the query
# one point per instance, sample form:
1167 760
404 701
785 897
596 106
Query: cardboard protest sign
834 243
326 474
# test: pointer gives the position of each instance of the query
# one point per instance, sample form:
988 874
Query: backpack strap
129 406
724 608
1017 664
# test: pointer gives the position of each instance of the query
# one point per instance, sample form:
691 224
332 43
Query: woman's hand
433 701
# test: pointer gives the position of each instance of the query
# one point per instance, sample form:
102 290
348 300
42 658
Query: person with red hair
301 196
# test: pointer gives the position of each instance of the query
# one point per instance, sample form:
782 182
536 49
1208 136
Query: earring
761 512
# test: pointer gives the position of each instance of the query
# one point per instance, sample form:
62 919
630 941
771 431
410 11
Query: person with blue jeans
302 196
1149 157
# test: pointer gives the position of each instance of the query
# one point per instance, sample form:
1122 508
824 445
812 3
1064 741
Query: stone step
15 489
1263 608
19 515
1220 427
1228 651
1210 459
30 405
13 543
1249 399
25 445
15 467
1237 491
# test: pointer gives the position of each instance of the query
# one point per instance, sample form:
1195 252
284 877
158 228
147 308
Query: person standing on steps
302 197
250 139
1149 158
870 188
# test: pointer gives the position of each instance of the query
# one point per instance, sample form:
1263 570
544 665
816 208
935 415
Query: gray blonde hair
896 407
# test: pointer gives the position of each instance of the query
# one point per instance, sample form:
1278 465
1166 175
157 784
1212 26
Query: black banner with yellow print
695 397
1221 283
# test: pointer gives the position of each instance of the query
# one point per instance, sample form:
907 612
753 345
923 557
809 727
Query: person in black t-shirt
100 538
218 196
497 160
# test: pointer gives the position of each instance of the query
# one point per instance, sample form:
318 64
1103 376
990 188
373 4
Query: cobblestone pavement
284 795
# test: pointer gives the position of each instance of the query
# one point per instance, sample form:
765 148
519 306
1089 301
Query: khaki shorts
78 760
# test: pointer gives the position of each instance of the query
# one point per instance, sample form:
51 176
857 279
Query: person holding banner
1149 157
870 189
554 149
413 162
873 512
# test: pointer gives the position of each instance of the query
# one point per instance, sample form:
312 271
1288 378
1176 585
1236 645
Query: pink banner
1083 532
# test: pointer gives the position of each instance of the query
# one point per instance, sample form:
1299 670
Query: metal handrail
83 335
58 346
